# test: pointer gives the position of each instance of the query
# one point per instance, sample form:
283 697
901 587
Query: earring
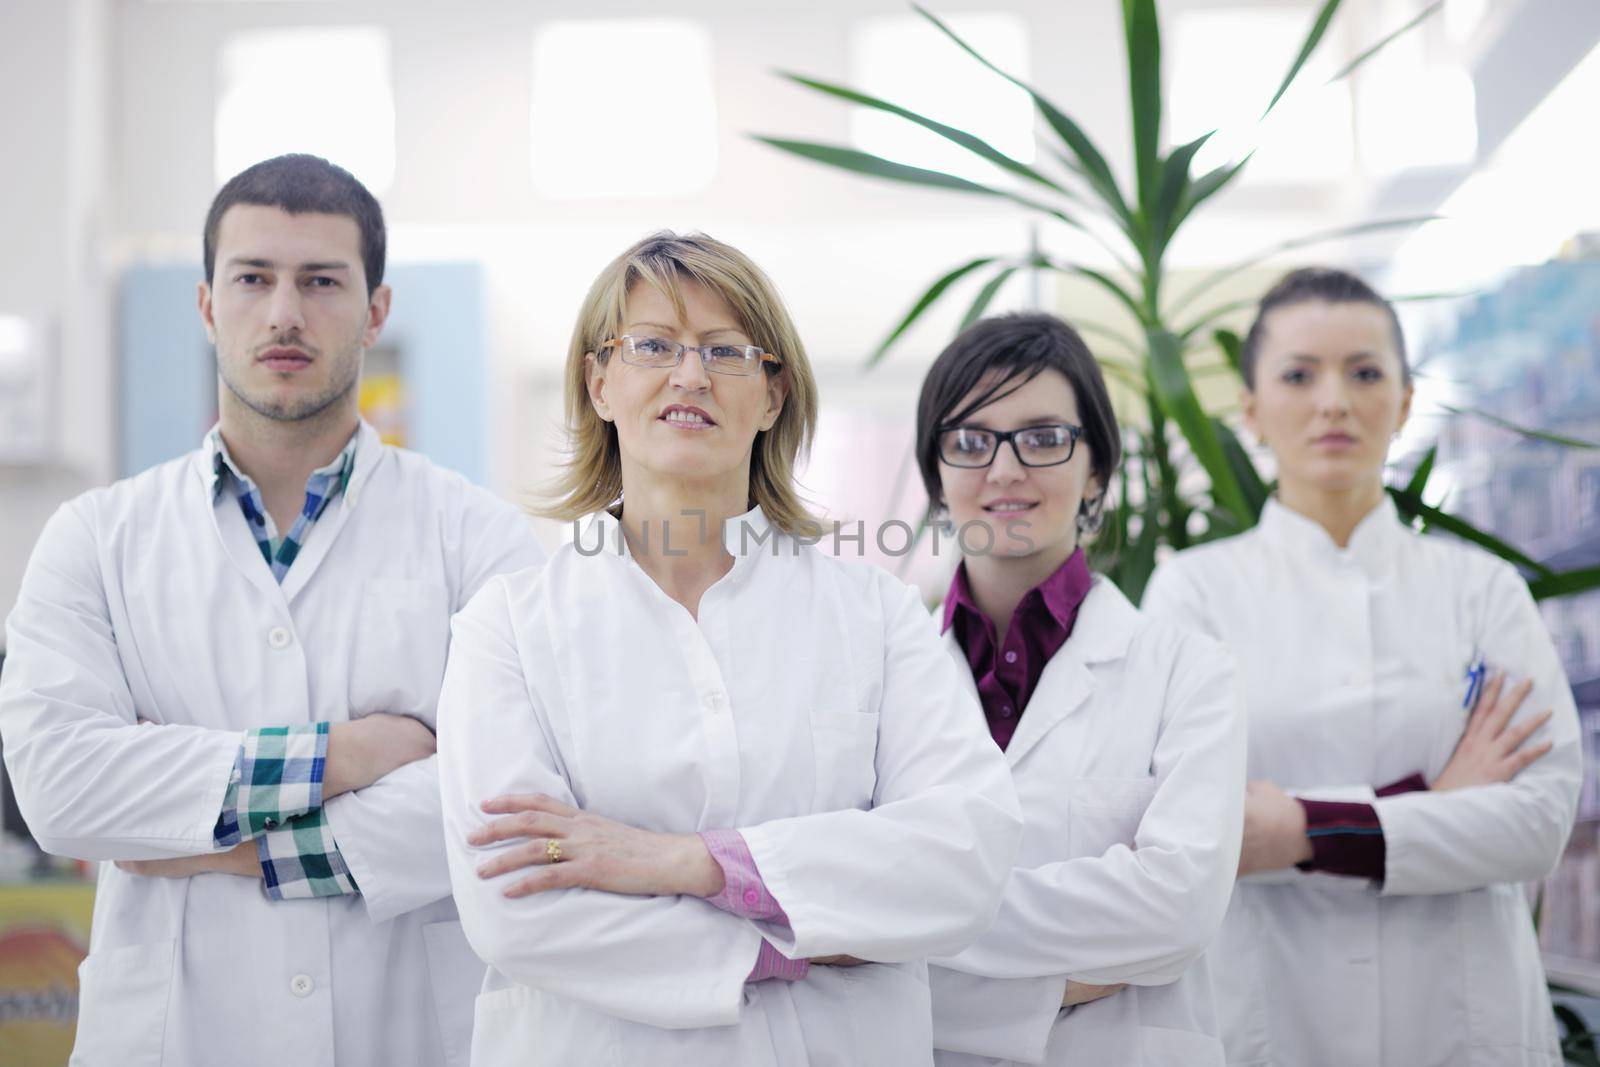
1091 518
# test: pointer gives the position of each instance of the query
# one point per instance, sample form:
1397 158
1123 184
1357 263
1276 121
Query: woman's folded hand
562 847
1084 993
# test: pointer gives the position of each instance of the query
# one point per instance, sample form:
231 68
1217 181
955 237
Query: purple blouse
1007 672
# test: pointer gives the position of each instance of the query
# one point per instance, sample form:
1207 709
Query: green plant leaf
1215 370
1094 167
1565 583
1068 162
859 162
1174 183
1218 276
1577 1040
1383 42
1128 562
1219 524
975 145
1244 470
1205 187
1221 311
1101 279
1121 340
1448 294
1231 346
1419 477
1139 563
1412 504
924 302
1175 394
1125 375
1142 30
1319 26
1523 431
986 296
1401 506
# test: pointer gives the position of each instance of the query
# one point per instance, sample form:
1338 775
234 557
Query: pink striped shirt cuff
744 894
770 963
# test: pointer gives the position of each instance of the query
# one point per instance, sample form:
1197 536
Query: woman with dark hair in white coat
1123 735
1414 749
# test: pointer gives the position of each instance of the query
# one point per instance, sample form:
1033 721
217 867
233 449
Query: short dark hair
303 184
1014 349
1329 285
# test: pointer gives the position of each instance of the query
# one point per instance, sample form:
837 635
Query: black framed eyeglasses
742 360
1034 446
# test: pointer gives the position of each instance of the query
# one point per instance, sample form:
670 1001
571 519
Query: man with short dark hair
222 676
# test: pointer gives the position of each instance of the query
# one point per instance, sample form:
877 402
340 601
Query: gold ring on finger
552 851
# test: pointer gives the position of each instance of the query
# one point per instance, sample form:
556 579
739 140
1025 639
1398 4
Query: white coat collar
1102 633
240 543
1372 543
369 449
745 537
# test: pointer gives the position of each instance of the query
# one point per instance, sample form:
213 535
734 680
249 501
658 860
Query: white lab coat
1354 666
1129 764
809 707
146 599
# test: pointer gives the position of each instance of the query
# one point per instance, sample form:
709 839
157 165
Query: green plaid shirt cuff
276 776
303 860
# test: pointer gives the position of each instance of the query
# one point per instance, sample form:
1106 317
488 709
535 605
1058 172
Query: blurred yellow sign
44 935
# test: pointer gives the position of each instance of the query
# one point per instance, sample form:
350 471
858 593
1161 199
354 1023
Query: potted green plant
1169 337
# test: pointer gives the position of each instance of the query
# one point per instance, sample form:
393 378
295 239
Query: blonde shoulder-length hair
591 479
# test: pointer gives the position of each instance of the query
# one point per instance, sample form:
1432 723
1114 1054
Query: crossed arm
92 782
1282 830
354 756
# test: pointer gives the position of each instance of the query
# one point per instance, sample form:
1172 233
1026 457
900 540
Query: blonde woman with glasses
710 795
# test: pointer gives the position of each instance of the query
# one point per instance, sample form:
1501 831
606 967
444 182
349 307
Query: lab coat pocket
521 1027
402 634
456 974
122 1006
1163 1047
1507 1001
844 744
1103 812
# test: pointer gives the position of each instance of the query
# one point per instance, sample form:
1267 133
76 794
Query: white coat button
278 637
713 701
301 985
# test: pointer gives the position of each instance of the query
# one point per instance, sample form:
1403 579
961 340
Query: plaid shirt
274 794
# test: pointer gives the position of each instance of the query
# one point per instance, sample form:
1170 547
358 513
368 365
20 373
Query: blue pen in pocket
1477 671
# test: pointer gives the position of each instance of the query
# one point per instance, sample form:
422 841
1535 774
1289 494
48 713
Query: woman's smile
686 417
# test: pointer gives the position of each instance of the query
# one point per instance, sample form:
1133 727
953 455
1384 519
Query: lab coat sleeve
920 873
670 961
1141 915
1173 595
390 832
90 782
1512 831
493 538
1354 793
